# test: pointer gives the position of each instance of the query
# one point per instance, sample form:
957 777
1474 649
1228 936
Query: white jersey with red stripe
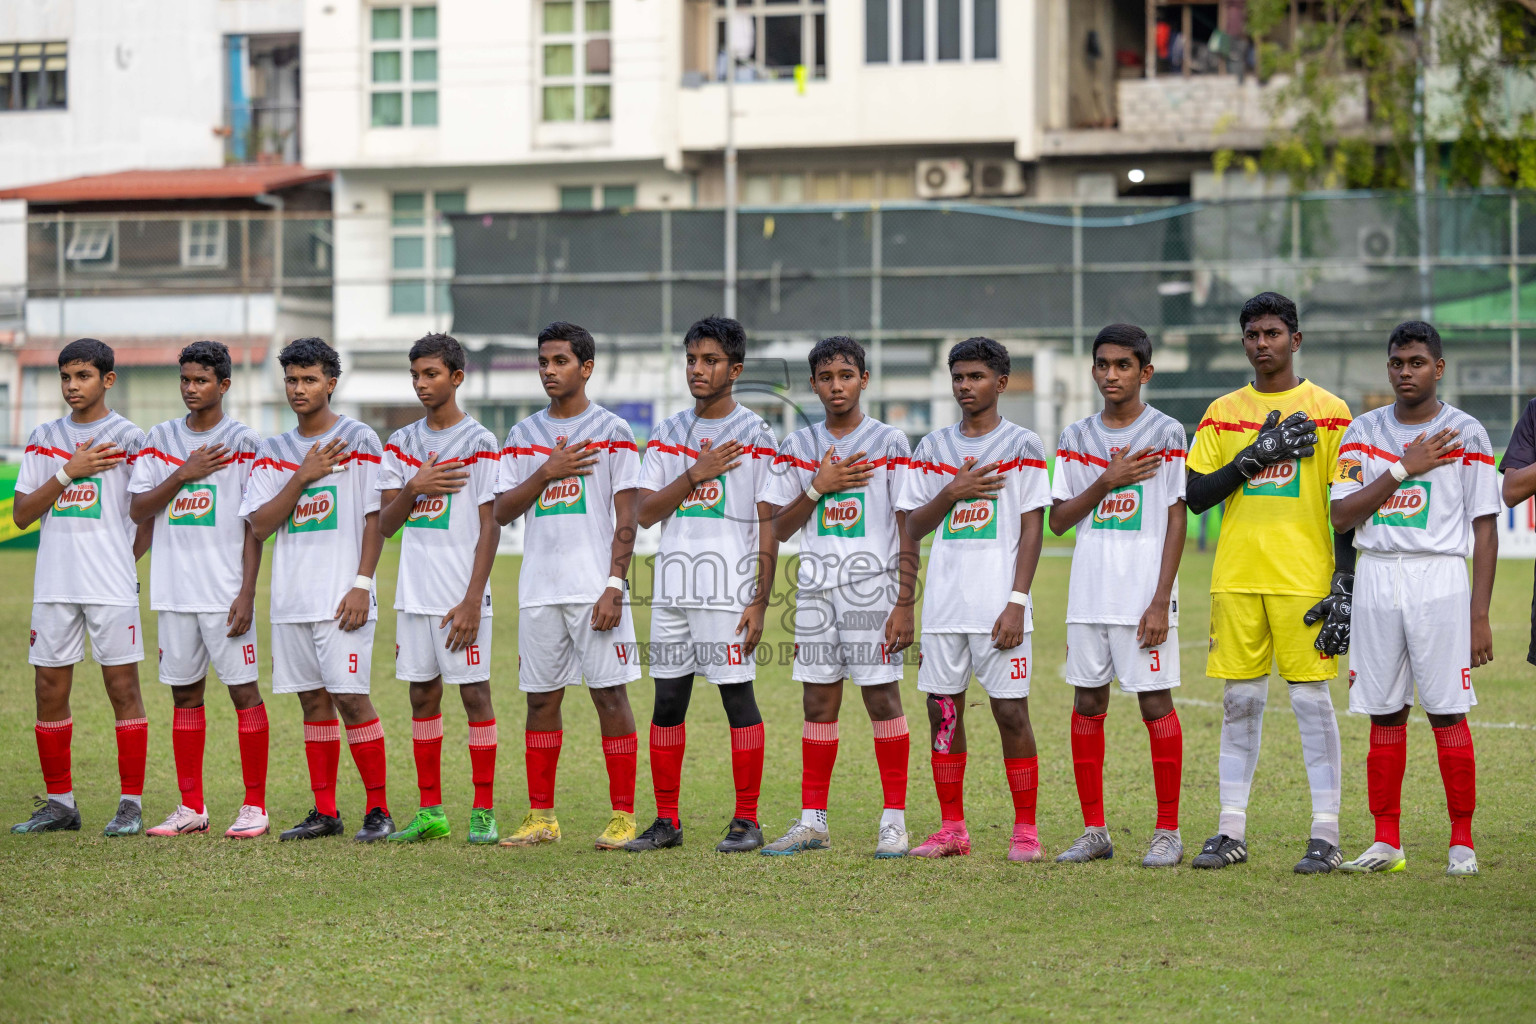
1430 514
85 551
852 535
708 553
975 548
1119 548
441 532
197 559
568 530
316 553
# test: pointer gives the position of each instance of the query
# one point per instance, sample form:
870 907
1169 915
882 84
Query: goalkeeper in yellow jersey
1280 589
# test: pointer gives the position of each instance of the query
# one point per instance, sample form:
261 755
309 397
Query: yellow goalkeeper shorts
1251 631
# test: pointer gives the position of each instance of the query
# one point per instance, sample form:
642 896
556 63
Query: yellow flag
800 79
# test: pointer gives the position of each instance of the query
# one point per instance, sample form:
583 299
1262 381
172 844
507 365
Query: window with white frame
34 76
929 31
421 251
576 60
784 34
596 197
203 243
402 66
92 245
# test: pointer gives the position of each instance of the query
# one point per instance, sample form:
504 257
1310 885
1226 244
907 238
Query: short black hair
1126 336
981 350
443 346
837 346
575 335
212 354
310 352
1269 304
1410 331
88 350
729 333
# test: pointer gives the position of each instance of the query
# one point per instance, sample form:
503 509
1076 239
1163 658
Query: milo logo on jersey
1408 506
1283 478
842 515
1120 510
972 520
430 511
196 504
80 500
563 497
705 501
316 510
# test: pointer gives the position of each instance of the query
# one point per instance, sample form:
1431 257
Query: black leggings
673 695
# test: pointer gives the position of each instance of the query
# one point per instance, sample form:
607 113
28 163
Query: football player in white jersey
837 483
315 487
437 483
706 481
74 477
1415 480
188 482
980 486
1120 480
572 471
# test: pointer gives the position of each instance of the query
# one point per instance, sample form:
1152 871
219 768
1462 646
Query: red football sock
427 744
1024 784
1167 739
1458 770
667 746
543 757
322 749
132 752
949 782
1384 766
53 754
1088 766
747 769
366 742
818 753
254 741
619 753
482 762
893 749
189 734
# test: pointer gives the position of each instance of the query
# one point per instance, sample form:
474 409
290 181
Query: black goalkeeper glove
1334 610
1296 438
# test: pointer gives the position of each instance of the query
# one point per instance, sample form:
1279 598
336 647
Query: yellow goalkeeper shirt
1275 533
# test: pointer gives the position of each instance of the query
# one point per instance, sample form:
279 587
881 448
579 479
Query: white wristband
812 493
1018 597
1398 472
63 478
616 583
363 583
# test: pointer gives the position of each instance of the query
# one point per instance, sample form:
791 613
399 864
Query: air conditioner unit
998 177
1377 242
943 179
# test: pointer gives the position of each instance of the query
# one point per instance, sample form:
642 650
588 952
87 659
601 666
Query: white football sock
1319 727
815 819
1242 728
894 816
135 798
67 799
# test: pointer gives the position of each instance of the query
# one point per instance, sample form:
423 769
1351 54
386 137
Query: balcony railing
260 134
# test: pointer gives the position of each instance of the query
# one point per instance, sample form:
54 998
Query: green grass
203 927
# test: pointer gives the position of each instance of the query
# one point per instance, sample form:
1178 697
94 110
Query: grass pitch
204 927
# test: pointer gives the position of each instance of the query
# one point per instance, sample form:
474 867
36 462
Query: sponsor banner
841 515
430 512
972 520
706 501
563 497
1120 510
80 500
1408 506
316 510
1283 479
196 504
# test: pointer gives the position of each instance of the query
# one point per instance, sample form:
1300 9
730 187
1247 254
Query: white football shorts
949 659
191 641
319 655
422 654
557 647
699 641
840 634
1098 654
1412 622
58 634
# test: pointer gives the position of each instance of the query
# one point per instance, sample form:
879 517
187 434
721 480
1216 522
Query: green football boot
482 825
429 823
128 821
